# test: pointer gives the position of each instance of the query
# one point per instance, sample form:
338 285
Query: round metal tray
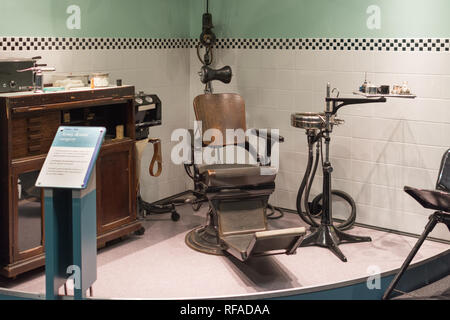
312 120
308 120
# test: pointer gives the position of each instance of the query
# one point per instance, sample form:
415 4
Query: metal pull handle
336 89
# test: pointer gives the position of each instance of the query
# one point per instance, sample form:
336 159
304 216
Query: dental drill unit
318 128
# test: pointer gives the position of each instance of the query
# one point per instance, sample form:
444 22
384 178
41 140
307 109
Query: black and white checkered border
362 44
64 43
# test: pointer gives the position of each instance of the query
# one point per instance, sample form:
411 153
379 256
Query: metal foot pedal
260 243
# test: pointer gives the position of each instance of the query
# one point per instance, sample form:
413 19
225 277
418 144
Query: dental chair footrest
260 243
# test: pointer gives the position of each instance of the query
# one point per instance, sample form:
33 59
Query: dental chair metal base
237 224
204 239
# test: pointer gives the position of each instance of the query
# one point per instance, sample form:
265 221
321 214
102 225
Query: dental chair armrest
268 135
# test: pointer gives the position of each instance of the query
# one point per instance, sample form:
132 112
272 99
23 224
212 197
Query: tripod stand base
328 236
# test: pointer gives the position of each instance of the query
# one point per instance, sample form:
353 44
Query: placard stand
69 182
70 239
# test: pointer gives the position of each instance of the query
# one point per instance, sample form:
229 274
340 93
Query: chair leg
428 228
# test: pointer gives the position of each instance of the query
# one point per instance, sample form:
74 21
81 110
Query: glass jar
99 79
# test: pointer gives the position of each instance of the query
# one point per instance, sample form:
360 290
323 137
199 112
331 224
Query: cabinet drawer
33 135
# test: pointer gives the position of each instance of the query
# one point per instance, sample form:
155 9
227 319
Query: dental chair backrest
220 111
443 181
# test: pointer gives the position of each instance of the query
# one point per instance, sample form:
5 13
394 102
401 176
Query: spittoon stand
319 126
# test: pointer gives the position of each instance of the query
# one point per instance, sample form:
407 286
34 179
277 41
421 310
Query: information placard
71 158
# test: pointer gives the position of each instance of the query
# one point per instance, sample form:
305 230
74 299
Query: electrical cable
273 209
313 209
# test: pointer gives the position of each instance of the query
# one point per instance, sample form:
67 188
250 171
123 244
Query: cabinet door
28 208
115 186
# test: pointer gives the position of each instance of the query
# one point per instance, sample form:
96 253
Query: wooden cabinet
28 123
116 197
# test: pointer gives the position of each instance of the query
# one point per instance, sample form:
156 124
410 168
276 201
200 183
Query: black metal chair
438 200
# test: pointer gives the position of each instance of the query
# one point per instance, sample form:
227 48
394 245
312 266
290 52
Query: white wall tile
427 133
304 59
380 148
362 149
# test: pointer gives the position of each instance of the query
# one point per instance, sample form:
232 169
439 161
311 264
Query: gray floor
159 265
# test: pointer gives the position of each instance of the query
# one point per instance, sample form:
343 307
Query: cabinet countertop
31 93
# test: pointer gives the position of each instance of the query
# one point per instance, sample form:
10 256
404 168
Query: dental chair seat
236 175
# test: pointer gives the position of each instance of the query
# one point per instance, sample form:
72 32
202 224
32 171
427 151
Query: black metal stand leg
333 243
328 236
429 227
349 238
311 239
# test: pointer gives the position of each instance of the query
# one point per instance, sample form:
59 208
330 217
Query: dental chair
438 200
237 194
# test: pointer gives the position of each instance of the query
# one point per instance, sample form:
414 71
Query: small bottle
405 89
363 87
92 83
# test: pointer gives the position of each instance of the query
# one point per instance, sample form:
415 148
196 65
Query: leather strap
157 157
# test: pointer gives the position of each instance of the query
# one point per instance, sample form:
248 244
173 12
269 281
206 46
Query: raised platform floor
159 265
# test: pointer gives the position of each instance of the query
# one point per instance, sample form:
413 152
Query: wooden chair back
220 111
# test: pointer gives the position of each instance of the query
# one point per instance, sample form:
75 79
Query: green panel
232 18
322 18
99 18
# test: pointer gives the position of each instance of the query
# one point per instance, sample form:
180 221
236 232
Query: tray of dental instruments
390 95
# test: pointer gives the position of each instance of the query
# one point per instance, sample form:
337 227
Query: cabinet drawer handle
34 128
34 121
34 148
35 136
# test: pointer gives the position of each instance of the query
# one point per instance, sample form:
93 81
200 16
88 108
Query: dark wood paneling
4 183
115 174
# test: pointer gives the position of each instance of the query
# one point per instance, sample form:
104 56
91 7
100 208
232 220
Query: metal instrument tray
367 95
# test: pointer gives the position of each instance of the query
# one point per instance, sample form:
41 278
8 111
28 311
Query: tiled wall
380 148
154 66
375 153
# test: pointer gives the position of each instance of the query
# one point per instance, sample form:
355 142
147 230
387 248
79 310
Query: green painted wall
99 18
232 18
322 18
